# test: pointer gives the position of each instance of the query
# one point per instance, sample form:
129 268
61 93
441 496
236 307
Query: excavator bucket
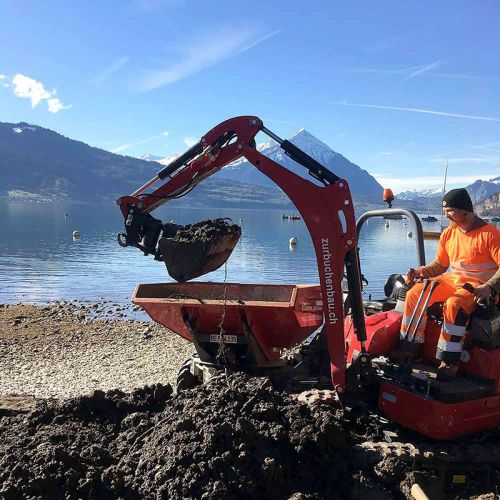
198 249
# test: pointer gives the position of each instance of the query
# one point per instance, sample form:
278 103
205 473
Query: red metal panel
382 334
435 419
483 363
288 316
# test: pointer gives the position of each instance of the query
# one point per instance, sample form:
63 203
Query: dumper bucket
198 249
280 316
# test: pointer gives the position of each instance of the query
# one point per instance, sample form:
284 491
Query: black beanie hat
458 198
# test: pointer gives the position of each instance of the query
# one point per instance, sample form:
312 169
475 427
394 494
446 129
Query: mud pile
197 249
234 438
62 449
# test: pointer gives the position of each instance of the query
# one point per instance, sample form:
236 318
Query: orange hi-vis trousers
458 306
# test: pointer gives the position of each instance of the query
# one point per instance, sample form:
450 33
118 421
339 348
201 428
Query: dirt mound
240 439
62 449
234 438
197 249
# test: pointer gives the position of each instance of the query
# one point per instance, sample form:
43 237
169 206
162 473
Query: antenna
444 191
445 175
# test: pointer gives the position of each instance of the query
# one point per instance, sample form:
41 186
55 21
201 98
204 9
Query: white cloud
129 145
202 53
419 110
190 141
55 105
107 72
28 88
420 71
3 77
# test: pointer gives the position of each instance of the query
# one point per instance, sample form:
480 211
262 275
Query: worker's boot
446 371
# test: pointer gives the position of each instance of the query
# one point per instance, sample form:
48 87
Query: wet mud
197 249
233 438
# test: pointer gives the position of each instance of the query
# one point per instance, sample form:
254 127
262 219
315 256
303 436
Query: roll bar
398 211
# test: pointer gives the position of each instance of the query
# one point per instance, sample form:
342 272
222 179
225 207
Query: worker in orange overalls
470 247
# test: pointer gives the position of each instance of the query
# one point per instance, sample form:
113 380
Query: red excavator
346 346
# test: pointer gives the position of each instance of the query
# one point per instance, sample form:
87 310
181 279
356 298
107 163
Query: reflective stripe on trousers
456 311
455 300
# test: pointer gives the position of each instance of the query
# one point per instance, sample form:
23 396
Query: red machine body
425 414
272 317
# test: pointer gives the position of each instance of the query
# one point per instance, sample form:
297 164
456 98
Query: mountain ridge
37 163
362 183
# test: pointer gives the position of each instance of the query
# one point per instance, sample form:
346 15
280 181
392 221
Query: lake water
40 261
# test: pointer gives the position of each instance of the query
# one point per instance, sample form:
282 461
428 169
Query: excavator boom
325 206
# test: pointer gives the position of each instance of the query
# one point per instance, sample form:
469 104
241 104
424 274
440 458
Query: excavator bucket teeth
198 249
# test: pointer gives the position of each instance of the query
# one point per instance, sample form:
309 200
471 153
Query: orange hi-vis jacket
473 256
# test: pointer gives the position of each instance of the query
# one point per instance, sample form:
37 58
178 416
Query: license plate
227 339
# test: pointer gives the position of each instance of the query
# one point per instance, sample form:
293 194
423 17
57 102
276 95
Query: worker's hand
482 293
413 275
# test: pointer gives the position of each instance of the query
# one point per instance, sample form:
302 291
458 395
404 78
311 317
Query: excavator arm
326 209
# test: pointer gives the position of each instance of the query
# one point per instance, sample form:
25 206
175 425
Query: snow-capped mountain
478 191
164 160
149 157
361 183
413 194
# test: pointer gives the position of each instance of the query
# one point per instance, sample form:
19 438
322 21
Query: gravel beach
66 349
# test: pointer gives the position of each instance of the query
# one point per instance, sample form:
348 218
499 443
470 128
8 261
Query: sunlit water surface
41 262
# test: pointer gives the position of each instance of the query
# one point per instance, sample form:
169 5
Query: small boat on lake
429 218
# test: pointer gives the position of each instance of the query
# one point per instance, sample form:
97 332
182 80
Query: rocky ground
233 438
69 349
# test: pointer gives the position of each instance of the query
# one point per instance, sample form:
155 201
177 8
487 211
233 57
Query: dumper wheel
185 379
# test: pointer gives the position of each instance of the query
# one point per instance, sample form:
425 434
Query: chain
221 356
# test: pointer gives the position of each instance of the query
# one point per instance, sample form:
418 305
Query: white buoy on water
76 235
293 242
410 234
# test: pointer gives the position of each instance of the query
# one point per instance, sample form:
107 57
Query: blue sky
396 87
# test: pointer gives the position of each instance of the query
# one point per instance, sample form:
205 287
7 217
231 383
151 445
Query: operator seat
483 325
